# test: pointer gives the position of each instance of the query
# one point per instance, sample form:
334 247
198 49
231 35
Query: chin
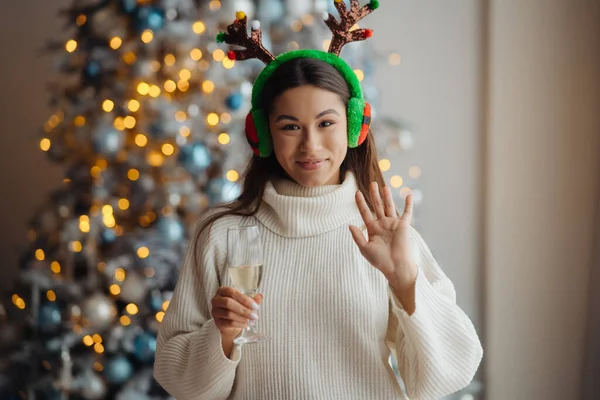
315 178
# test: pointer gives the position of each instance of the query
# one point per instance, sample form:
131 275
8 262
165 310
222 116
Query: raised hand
388 245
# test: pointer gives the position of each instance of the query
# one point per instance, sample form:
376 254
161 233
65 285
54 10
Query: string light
50 295
129 57
160 315
147 36
185 74
218 55
232 176
198 27
183 85
81 20
180 116
185 131
154 91
170 60
88 341
129 122
45 144
76 246
165 305
133 105
143 88
359 74
116 42
308 19
214 5
79 121
296 26
170 86
98 348
225 118
97 338
120 274
212 119
208 86
71 46
196 54
168 149
132 309
155 158
123 204
396 181
414 172
133 174
394 59
125 320
84 221
119 123
228 64
98 367
108 105
115 289
223 138
141 140
55 267
385 164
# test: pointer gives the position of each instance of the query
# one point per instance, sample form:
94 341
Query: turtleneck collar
292 210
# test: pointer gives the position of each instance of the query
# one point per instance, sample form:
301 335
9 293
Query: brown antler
348 18
237 33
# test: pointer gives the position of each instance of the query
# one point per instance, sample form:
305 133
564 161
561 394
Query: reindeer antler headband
358 112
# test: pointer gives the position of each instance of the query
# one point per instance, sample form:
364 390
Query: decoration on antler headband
237 33
348 18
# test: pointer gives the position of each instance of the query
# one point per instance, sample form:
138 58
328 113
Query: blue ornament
49 317
129 6
152 18
171 230
118 370
92 70
234 101
108 141
222 191
156 300
195 158
108 236
144 347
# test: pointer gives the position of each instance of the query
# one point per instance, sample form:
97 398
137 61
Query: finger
225 324
358 237
408 209
238 296
228 315
376 199
388 201
230 304
258 298
363 208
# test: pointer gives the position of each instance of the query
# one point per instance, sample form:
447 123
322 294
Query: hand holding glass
245 266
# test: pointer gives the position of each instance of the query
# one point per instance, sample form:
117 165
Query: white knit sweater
331 316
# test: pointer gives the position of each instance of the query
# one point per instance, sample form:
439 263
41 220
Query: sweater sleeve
190 362
437 348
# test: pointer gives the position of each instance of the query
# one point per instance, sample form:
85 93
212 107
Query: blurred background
489 111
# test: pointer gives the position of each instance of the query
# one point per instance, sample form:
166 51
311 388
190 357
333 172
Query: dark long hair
361 160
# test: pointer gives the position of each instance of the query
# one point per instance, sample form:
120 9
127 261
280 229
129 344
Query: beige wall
543 183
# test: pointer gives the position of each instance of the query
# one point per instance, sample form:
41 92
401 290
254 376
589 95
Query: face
309 131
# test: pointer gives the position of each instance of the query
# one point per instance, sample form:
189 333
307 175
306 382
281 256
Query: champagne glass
245 267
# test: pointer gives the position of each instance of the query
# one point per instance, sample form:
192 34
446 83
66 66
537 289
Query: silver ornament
98 312
134 289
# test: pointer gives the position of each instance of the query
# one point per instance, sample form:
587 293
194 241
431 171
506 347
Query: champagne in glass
245 267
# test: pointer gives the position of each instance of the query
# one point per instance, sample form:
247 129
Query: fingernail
254 316
254 306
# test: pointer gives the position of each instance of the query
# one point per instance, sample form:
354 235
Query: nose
311 141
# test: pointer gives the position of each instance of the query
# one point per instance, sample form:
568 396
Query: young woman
347 280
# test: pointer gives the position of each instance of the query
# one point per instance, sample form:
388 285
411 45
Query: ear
252 133
261 124
356 116
366 124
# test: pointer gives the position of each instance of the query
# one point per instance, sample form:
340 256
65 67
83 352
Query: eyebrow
284 116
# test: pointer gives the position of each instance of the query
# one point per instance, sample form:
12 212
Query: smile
311 165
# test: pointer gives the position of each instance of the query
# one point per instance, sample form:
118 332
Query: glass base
248 338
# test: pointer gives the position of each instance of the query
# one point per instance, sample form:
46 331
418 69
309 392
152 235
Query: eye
290 127
325 124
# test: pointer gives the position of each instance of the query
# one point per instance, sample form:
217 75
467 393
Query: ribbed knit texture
331 317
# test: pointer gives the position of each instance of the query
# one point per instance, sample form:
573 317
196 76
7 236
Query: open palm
388 245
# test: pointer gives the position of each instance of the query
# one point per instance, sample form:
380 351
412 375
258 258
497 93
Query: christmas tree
148 117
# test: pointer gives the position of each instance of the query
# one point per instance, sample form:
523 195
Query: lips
311 164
